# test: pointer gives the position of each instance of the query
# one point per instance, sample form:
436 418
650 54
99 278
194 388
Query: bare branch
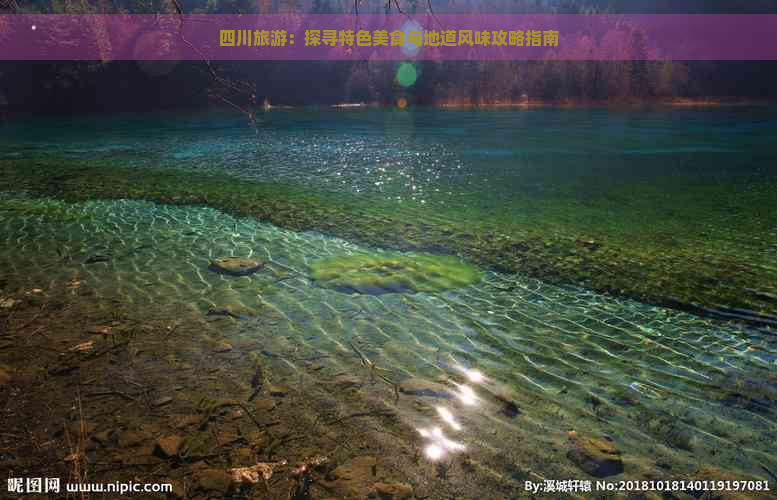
247 88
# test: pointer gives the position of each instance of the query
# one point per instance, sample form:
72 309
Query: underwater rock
422 407
8 302
168 446
252 475
241 457
343 382
222 346
130 439
354 478
232 310
179 490
278 391
596 457
94 259
510 409
424 388
588 243
398 491
235 266
102 437
671 431
183 421
392 273
5 377
264 404
356 468
161 401
258 440
100 330
213 480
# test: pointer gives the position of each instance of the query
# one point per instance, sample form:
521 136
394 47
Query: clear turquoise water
571 359
426 155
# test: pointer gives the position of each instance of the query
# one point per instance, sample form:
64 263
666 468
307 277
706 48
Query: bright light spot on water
452 445
34 27
467 395
440 444
474 376
434 452
448 417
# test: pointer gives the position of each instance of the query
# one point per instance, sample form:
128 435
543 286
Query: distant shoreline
684 102
560 103
573 103
707 102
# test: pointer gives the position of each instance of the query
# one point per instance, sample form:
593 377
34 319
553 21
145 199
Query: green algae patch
393 273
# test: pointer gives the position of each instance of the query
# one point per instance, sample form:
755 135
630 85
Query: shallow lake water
511 365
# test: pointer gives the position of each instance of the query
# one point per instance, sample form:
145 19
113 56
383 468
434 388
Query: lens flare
439 445
448 417
406 74
474 376
452 445
434 452
467 396
410 49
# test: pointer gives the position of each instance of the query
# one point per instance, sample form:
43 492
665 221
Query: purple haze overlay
581 37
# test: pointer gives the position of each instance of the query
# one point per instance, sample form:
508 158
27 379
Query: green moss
393 273
623 252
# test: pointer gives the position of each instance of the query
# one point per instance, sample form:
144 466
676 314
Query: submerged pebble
213 480
597 457
5 377
168 446
162 401
424 388
235 266
129 439
94 259
397 491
